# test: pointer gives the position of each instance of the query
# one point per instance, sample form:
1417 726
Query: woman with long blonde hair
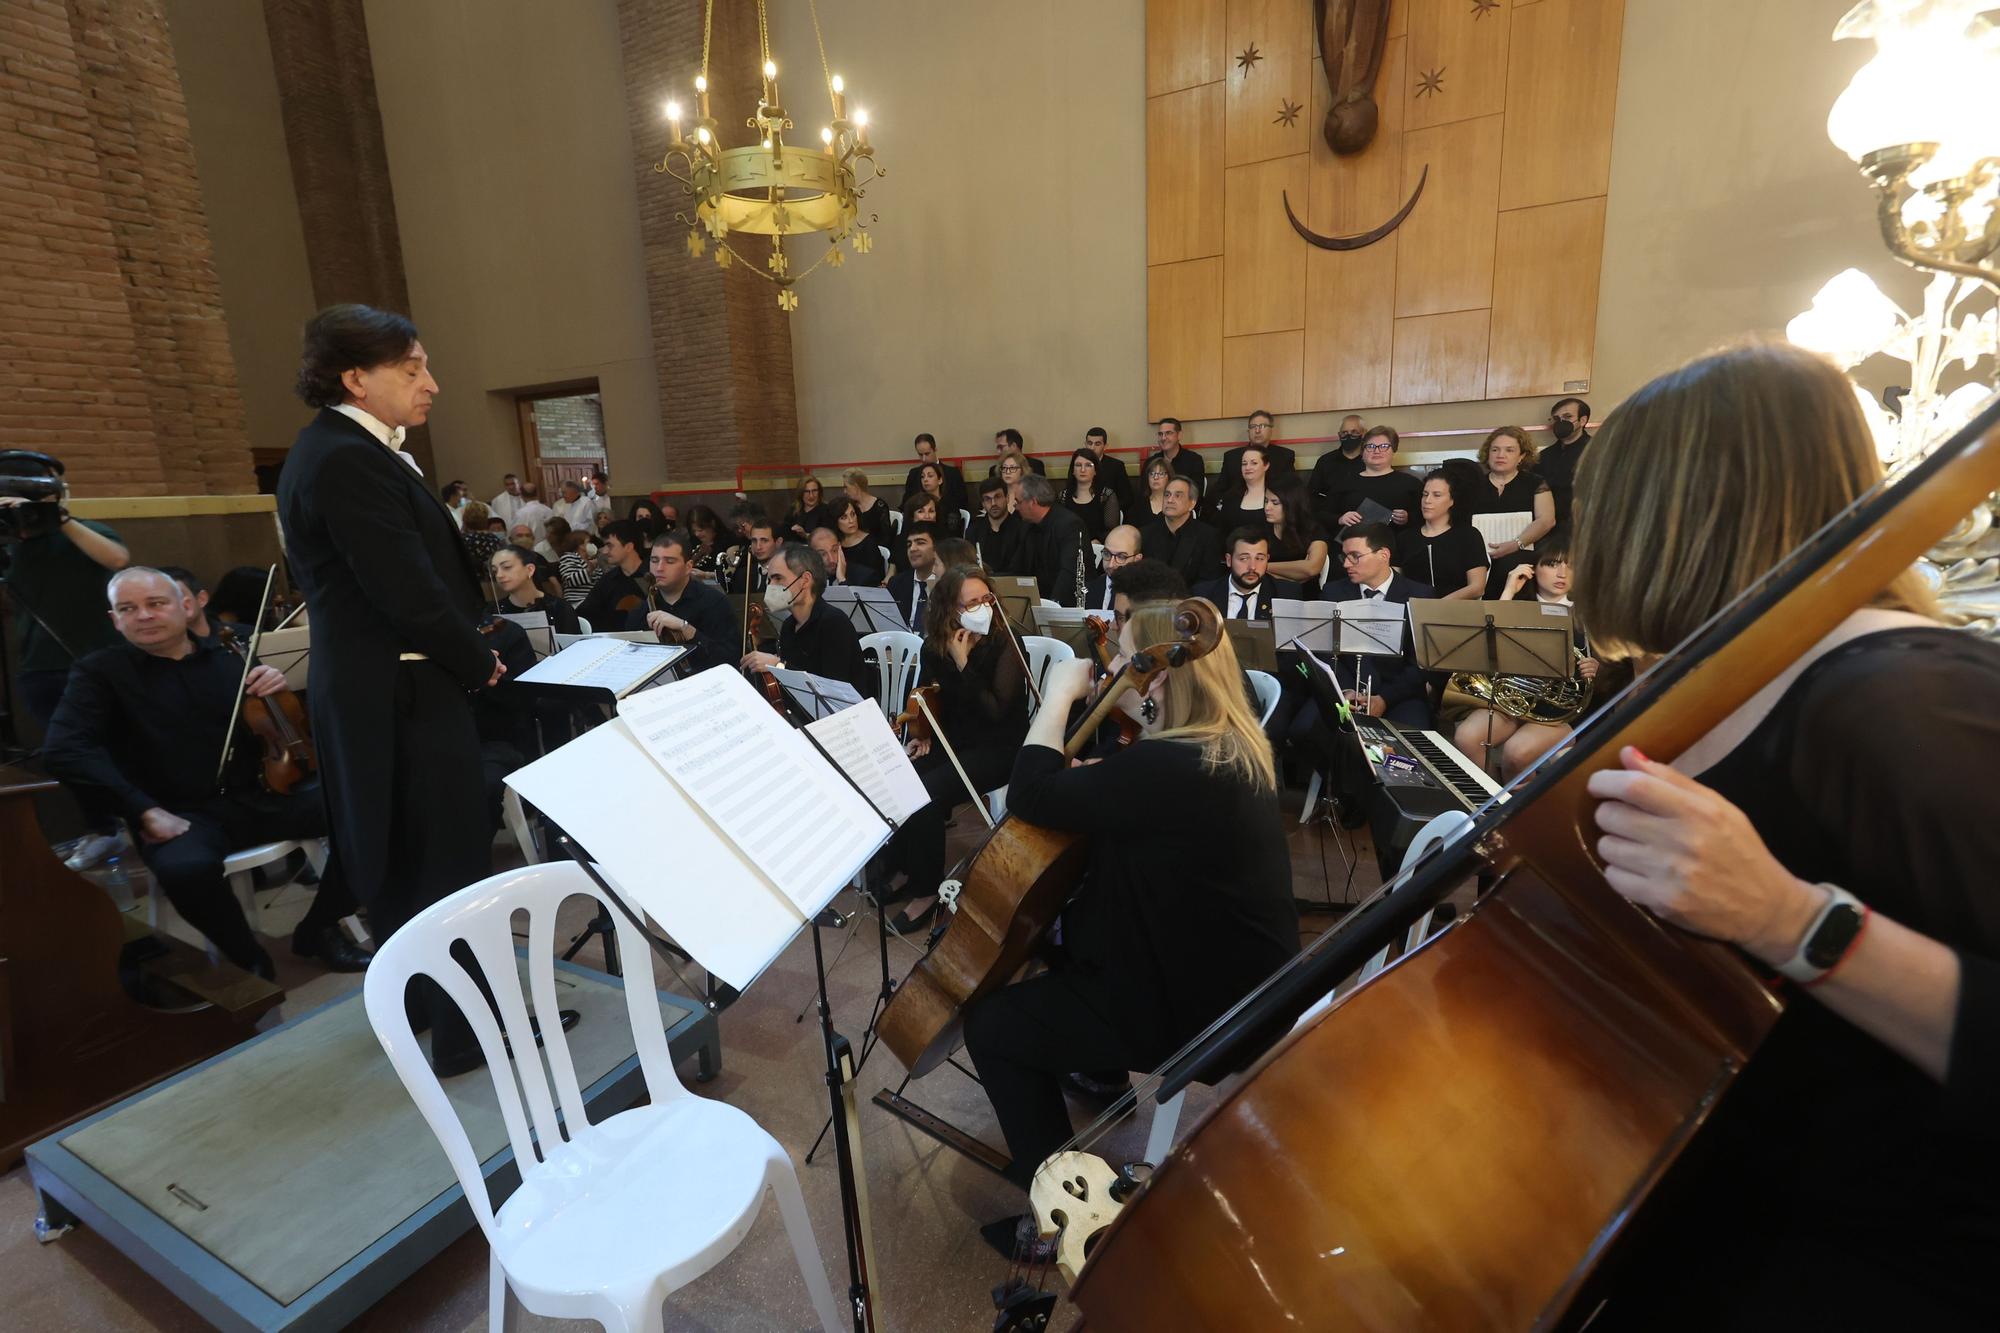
1185 903
1839 829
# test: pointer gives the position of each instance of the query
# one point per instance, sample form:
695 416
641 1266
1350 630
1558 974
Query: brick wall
113 353
570 427
723 348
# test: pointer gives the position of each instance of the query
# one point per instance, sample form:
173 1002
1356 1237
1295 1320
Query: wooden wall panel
1446 258
1184 175
1458 61
1184 41
1545 269
1562 87
1263 259
1281 79
1350 327
1440 358
1262 370
1364 189
1184 339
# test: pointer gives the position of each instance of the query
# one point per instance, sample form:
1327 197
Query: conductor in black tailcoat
395 598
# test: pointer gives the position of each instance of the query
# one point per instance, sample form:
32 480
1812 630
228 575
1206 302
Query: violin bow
243 685
1000 614
977 800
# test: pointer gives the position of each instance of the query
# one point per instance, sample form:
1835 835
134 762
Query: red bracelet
1867 915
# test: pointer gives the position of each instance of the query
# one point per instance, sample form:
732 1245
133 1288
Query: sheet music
604 664
1371 625
764 787
1374 511
860 742
1497 528
816 696
1309 622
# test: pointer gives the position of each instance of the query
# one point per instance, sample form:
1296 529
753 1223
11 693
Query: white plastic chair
514 815
612 1218
239 870
1097 555
582 625
1268 692
964 520
899 658
896 521
1043 653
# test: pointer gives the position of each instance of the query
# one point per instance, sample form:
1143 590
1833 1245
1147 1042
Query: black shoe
1015 1240
904 924
570 1018
1101 1086
332 947
463 1063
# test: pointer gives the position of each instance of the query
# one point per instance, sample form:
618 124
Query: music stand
872 610
1067 624
1518 638
816 697
1019 595
1256 644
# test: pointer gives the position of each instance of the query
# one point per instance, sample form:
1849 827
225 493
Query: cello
1459 1142
1017 879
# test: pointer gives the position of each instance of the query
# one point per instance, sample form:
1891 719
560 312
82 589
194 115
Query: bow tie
1371 592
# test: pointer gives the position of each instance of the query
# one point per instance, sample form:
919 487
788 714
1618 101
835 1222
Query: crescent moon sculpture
1359 239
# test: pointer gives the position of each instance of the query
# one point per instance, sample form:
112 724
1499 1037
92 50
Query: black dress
1443 560
1174 921
1838 1186
1517 498
1394 489
864 564
1099 514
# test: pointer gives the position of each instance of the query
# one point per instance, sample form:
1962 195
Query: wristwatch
1827 941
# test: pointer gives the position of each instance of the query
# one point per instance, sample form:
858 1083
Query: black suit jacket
1094 589
901 587
1056 545
1218 593
384 572
1196 550
1395 679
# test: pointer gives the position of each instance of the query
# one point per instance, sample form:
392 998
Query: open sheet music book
604 664
1497 528
723 823
1309 622
1372 625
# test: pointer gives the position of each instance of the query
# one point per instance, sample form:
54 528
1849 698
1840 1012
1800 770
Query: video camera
33 477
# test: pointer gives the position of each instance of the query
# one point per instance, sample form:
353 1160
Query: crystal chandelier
771 187
1922 121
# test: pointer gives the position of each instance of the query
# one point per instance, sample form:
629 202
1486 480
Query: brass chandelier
770 187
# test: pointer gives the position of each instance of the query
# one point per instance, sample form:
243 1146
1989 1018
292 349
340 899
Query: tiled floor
934 1272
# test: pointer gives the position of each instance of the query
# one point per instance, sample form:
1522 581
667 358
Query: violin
278 721
759 631
1101 652
1013 885
913 723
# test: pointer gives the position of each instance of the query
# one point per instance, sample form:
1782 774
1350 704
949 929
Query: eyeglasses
1354 557
1378 446
1117 557
1121 617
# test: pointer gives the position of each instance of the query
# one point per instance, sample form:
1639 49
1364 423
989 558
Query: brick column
722 347
340 165
113 352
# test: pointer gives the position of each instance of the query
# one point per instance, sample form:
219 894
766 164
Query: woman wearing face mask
982 710
1443 550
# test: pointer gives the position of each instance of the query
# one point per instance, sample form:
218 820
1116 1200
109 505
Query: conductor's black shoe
1099 1085
332 947
570 1018
1014 1239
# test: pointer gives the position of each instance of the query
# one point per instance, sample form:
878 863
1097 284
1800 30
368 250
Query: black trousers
188 869
1023 1038
917 848
40 692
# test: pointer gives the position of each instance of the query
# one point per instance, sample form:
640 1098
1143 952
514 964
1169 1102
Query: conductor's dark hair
341 338
1149 581
1377 535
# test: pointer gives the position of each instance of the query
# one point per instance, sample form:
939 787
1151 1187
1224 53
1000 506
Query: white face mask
979 620
777 600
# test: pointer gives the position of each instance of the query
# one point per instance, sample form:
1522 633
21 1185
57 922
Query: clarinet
1082 584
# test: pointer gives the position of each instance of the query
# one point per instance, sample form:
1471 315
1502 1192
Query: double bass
1020 876
1460 1141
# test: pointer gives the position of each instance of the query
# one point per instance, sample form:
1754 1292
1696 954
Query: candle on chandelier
673 110
861 126
839 98
701 90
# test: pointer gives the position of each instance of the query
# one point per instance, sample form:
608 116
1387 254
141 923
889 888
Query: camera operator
56 567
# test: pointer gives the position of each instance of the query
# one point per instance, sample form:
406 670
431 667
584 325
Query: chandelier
771 187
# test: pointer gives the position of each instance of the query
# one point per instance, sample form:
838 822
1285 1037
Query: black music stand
872 610
1256 644
1516 638
1019 595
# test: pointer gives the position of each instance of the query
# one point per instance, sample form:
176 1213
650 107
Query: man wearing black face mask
1334 469
1556 462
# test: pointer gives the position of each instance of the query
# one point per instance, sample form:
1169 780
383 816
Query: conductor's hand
263 682
1501 550
159 825
1067 682
499 670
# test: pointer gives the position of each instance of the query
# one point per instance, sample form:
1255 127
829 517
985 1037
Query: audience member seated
617 590
575 569
1181 540
521 535
951 490
1443 548
1379 492
517 576
912 584
956 553
1257 434
874 514
1153 504
142 725
997 532
1512 488
1111 474
710 538
926 509
1298 549
192 589
1094 505
1121 548
453 496
1239 496
813 637
981 713
681 609
647 515
1333 470
1009 470
476 530
832 555
1512 744
1184 461
1007 444
1058 553
1557 462
861 560
807 513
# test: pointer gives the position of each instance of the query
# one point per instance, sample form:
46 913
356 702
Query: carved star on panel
1248 57
1430 81
1481 8
1288 113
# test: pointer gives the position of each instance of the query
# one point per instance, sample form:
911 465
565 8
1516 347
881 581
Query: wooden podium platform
290 1183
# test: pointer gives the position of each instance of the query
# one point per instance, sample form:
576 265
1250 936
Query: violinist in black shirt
815 637
618 590
142 724
681 609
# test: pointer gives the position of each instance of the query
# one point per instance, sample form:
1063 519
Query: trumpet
1527 698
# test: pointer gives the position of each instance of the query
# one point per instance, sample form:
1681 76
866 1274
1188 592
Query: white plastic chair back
896 521
964 520
1268 691
899 659
1097 555
886 566
1440 830
482 916
1043 653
